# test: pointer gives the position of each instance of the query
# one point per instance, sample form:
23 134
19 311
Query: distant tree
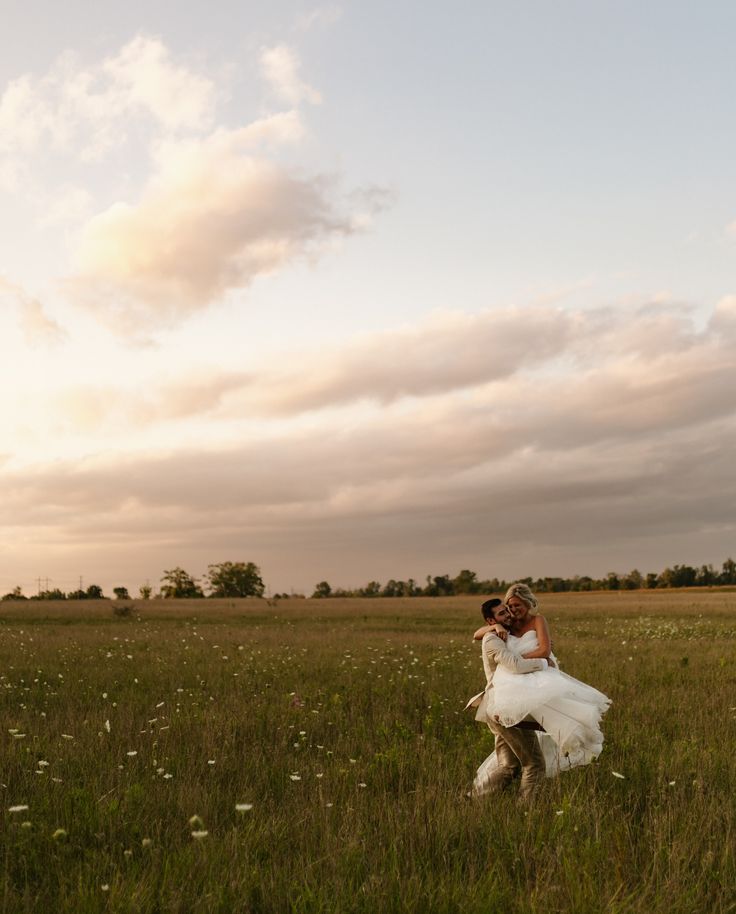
466 582
706 576
633 580
53 594
684 576
613 581
493 586
412 588
178 585
551 585
581 584
77 595
235 579
94 592
728 572
145 591
651 581
15 594
322 591
439 586
371 589
121 593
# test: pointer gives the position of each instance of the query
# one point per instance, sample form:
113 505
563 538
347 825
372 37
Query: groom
517 748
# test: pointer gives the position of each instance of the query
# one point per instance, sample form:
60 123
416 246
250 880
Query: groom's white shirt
495 653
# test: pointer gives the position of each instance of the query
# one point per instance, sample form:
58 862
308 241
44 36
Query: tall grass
341 723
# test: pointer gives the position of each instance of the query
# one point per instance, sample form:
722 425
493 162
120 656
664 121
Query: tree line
468 582
243 579
225 579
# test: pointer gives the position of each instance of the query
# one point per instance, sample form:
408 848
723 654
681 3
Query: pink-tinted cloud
212 218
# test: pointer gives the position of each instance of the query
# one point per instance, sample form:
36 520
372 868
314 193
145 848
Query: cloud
602 444
83 110
212 218
218 207
84 409
620 373
147 78
435 488
320 17
36 325
280 66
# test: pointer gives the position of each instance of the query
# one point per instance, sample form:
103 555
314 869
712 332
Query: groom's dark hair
488 608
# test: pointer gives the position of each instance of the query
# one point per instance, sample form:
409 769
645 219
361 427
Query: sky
365 291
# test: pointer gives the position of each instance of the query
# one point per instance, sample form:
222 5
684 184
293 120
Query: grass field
337 728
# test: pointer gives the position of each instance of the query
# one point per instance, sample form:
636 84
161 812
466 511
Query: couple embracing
544 721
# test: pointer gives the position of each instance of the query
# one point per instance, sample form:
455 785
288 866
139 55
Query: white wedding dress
569 710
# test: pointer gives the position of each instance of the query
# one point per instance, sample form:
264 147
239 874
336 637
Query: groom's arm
502 656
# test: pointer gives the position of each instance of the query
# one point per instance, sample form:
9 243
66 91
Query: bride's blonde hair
523 592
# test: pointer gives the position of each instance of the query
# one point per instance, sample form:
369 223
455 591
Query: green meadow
314 756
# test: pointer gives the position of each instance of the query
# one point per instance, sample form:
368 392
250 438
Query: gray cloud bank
545 441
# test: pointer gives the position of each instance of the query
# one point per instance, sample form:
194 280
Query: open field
341 722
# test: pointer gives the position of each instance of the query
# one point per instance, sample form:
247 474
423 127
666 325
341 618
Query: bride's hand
494 629
499 631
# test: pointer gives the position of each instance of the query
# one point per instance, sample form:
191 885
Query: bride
569 711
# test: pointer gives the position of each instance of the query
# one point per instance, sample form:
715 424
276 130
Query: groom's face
503 615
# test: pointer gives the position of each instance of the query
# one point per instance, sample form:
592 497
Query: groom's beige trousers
516 748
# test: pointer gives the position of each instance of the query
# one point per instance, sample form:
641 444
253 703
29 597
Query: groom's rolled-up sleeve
494 648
